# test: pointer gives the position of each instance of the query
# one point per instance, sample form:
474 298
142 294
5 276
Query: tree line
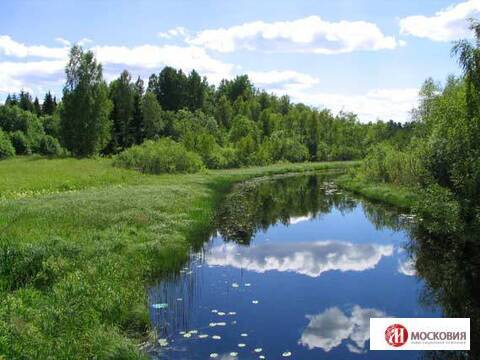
442 158
229 125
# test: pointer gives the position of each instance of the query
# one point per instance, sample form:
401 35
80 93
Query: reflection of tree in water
450 264
256 205
383 217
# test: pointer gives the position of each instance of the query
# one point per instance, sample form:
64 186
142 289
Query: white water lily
254 301
221 313
235 285
258 350
182 332
187 335
241 345
261 357
216 337
212 324
163 342
232 313
243 334
193 331
287 354
248 284
203 336
214 311
233 353
213 355
221 323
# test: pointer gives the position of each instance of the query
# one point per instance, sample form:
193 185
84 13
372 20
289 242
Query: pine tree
25 101
36 107
49 104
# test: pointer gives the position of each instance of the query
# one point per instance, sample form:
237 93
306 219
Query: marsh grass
399 196
79 240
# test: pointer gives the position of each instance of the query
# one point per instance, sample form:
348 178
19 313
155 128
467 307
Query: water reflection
257 205
330 328
307 258
293 246
450 265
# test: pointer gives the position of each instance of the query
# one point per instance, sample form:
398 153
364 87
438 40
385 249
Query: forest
180 122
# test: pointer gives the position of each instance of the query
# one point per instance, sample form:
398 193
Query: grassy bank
78 241
394 195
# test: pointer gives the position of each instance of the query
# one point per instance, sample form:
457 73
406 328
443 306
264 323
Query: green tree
137 124
49 104
170 88
85 123
196 91
152 116
37 109
25 101
223 112
122 95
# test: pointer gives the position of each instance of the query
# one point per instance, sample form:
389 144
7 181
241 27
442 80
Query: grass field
79 240
400 197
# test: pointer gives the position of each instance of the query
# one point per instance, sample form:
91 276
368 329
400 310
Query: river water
294 270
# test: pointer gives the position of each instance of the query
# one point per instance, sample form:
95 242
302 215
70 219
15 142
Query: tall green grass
79 239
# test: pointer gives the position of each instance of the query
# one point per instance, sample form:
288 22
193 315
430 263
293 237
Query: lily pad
160 306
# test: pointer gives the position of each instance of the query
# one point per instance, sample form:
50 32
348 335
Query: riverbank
398 196
79 239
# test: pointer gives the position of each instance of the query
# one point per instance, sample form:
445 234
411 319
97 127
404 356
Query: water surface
295 269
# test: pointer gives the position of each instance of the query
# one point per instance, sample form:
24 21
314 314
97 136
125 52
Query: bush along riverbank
79 239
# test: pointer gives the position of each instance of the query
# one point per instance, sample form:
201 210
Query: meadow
79 241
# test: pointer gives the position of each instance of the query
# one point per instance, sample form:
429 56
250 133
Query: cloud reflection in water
311 259
328 329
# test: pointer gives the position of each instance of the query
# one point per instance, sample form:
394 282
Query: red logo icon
396 335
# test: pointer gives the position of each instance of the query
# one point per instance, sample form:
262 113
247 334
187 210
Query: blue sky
365 56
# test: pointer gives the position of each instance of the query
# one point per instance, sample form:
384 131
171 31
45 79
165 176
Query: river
294 269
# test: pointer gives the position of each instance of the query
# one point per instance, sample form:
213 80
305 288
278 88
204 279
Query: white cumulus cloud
310 34
287 79
445 25
10 47
384 104
155 57
330 328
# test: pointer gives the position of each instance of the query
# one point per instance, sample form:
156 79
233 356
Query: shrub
386 163
6 147
21 143
49 146
161 156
